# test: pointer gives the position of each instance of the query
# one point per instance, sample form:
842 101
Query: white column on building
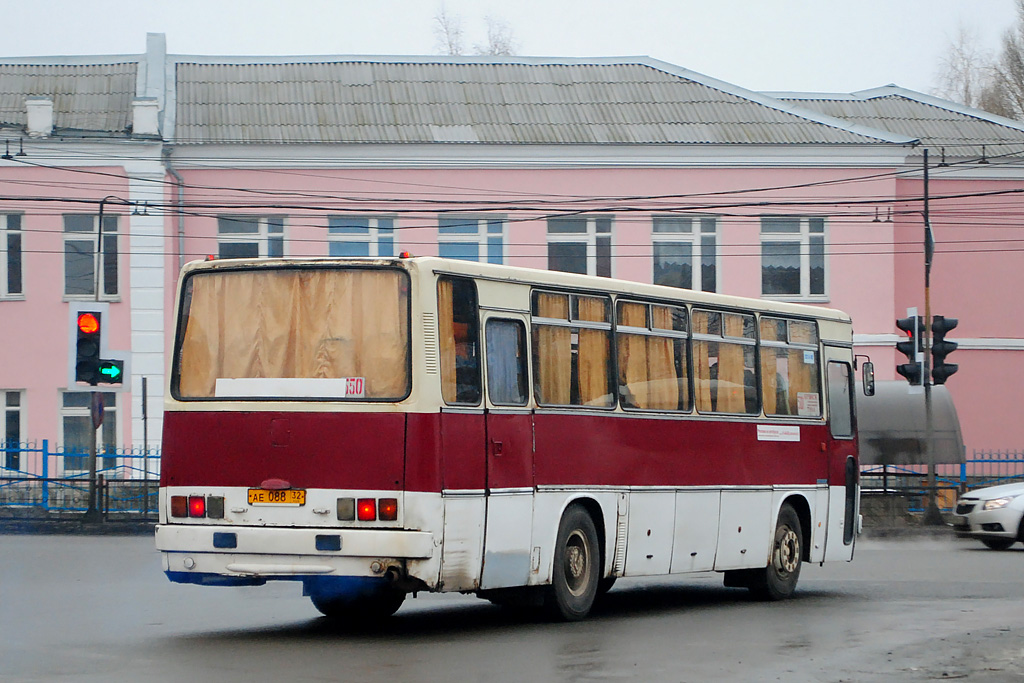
147 245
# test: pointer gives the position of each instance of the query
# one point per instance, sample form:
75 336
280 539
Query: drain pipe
179 203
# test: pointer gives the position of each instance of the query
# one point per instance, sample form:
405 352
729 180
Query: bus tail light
196 506
179 506
367 509
346 509
215 507
388 509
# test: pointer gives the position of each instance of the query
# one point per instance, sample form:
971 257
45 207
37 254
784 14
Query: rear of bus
284 438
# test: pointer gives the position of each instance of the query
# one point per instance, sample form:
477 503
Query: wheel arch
596 512
802 507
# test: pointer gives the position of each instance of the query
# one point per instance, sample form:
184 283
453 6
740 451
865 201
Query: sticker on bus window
809 357
354 386
808 404
778 433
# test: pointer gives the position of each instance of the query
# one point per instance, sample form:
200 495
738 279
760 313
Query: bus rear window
294 333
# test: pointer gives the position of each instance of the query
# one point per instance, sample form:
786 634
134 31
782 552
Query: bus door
510 483
463 433
843 466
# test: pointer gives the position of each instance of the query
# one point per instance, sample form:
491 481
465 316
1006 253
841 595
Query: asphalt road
95 608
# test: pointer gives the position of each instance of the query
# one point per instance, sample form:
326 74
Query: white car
992 515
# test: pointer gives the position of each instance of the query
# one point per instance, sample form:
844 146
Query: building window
471 239
360 236
86 266
10 263
580 245
12 428
76 423
250 236
686 252
793 257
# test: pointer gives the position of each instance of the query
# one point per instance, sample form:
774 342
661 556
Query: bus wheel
574 580
778 580
368 607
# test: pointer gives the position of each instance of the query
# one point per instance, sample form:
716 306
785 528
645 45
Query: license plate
279 497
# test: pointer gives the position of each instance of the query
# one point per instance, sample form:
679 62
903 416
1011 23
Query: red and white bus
375 427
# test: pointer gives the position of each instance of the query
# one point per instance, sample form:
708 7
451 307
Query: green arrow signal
112 370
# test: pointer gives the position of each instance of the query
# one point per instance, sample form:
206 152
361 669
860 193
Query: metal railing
35 478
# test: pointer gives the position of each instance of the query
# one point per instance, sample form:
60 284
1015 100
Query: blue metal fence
36 476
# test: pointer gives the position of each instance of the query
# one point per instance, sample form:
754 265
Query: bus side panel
423 452
582 450
308 450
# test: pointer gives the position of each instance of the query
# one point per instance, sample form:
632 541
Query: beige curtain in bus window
730 368
446 339
296 324
703 352
661 358
803 379
594 354
770 367
632 350
553 350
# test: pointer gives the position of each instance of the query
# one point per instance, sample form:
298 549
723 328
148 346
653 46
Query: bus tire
367 608
778 580
576 570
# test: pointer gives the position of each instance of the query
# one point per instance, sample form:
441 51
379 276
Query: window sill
798 299
110 299
13 297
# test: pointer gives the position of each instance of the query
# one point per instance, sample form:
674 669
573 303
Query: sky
773 45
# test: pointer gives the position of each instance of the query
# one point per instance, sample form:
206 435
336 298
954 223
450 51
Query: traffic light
941 370
87 346
911 348
91 364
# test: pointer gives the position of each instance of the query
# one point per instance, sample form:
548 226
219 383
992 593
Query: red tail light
366 509
388 509
196 506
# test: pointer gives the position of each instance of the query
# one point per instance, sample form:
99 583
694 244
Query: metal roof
474 100
940 124
86 97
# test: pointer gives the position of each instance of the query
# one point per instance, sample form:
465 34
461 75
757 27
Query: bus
372 428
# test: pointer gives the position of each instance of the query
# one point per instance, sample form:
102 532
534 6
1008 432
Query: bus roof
535 276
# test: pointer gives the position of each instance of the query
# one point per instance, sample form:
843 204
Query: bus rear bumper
232 556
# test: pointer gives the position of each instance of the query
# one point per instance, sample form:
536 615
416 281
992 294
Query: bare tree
1009 71
500 40
447 32
965 71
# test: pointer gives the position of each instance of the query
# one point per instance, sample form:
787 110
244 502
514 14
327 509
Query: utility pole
932 516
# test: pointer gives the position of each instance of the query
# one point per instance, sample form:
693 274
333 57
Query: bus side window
459 339
506 362
840 401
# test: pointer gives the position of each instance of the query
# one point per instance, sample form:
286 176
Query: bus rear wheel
576 570
778 580
366 607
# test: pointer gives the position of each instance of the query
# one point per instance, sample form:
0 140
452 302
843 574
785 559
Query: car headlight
997 503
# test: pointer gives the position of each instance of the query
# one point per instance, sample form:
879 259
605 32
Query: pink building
626 167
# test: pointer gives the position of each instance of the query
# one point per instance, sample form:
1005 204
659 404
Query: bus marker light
388 509
215 507
196 506
367 508
346 509
179 506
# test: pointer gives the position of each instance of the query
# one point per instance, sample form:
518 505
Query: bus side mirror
868 377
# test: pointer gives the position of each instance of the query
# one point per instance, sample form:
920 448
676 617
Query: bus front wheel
778 580
576 570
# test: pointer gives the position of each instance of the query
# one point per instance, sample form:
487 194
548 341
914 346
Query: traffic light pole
932 516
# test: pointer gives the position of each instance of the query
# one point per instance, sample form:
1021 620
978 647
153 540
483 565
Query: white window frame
112 227
588 237
372 236
695 239
84 411
261 237
481 237
803 241
20 409
6 232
